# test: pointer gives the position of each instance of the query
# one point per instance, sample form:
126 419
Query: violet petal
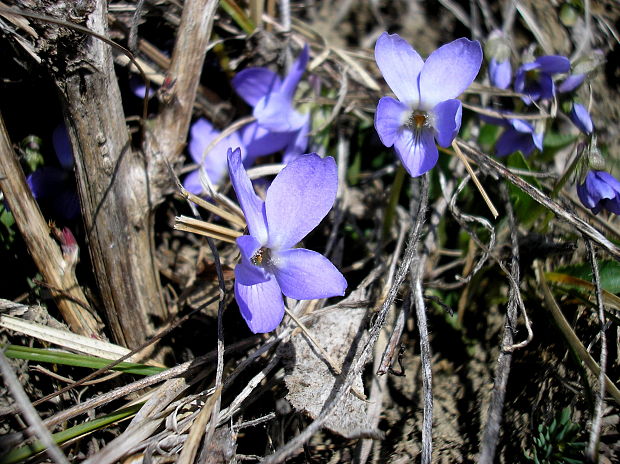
307 275
299 198
252 84
260 141
581 118
261 305
295 73
400 65
500 74
418 154
571 83
62 146
448 71
389 119
253 207
447 121
553 64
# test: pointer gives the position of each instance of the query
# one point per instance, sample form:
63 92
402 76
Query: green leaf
79 360
7 233
353 173
31 149
526 209
555 140
488 136
565 416
609 271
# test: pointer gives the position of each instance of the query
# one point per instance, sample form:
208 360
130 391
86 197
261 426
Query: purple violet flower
534 79
600 190
298 199
518 136
201 135
581 118
138 87
55 185
500 73
426 109
497 50
571 83
278 126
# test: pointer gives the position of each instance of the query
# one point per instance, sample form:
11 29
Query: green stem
565 176
556 190
397 186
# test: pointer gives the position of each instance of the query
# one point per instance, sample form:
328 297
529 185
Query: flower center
532 76
262 257
418 121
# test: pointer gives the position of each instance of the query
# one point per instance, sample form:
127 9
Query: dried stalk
417 274
595 431
495 168
45 253
502 370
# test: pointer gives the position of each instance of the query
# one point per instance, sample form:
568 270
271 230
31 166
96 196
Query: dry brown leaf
310 381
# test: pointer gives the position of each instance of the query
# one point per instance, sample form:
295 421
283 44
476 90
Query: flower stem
565 177
558 187
397 186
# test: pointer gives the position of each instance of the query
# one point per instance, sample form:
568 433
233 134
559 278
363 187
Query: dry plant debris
480 318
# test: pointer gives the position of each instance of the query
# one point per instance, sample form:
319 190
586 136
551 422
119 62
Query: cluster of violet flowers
296 201
535 80
424 113
278 126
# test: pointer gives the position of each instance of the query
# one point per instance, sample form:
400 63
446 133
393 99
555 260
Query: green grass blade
238 15
78 360
25 452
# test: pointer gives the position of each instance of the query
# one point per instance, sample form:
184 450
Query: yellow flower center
418 121
262 257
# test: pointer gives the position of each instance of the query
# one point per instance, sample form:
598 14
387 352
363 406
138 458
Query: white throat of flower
418 120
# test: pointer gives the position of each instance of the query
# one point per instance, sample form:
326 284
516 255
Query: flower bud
497 47
596 160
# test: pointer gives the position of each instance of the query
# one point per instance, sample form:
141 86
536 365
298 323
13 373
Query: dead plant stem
595 431
490 437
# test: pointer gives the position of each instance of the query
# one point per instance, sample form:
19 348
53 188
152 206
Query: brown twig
341 389
502 370
417 274
595 431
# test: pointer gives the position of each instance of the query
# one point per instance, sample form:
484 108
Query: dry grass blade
36 233
495 168
190 448
207 229
502 369
592 451
570 335
204 204
64 338
471 172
